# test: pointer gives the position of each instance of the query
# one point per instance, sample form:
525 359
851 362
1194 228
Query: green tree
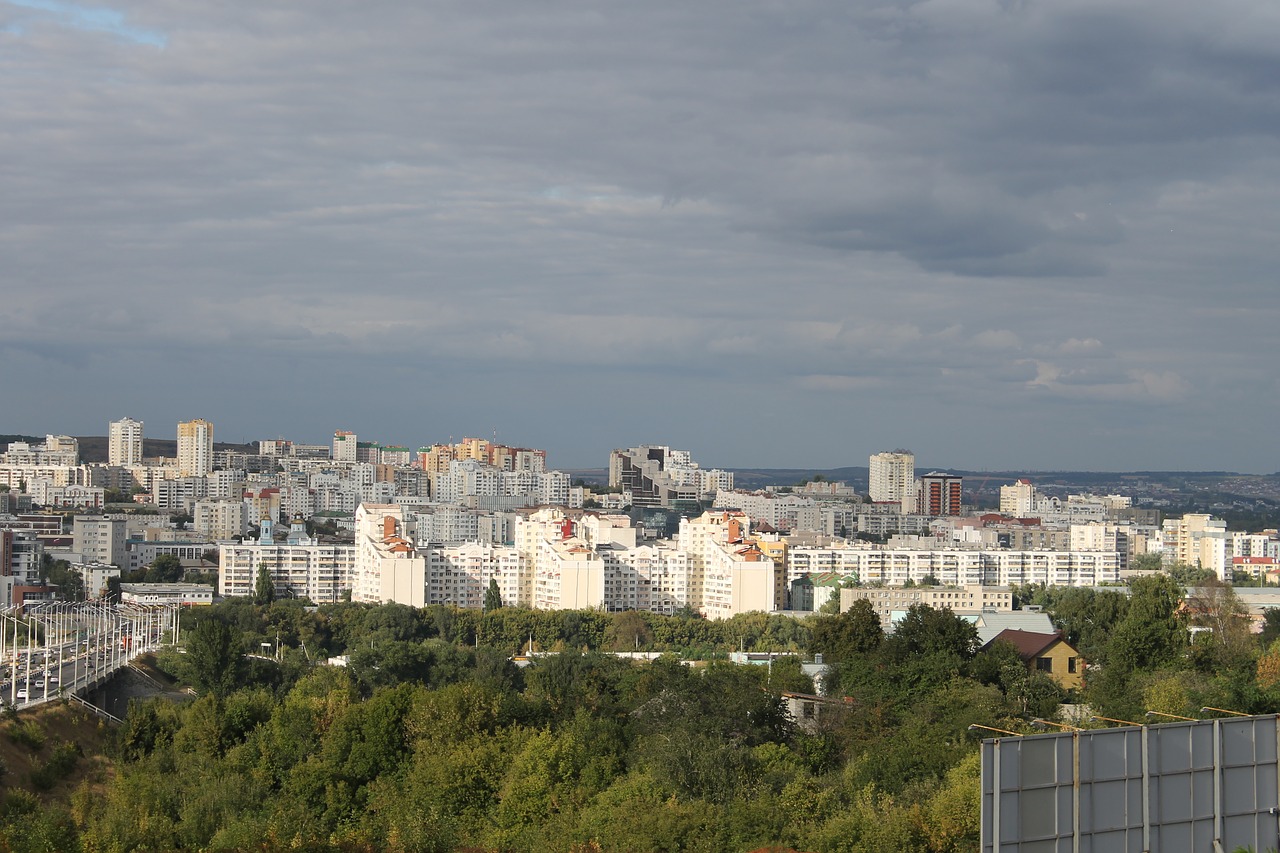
214 656
59 573
1188 575
1151 634
928 631
1270 627
264 591
165 568
628 632
1087 618
853 633
492 596
1215 605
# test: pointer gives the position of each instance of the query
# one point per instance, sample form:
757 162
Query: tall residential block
124 442
195 448
893 478
940 494
344 446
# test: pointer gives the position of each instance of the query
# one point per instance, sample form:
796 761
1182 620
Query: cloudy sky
1006 234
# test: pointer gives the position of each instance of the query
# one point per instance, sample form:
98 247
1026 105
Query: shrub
59 766
28 733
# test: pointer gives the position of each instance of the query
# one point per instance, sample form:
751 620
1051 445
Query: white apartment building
20 555
179 493
892 479
225 484
460 574
305 569
46 494
100 539
387 568
738 578
660 572
95 577
568 576
15 476
143 553
728 574
1255 544
344 446
124 442
1102 537
843 559
960 567
1197 540
969 599
195 448
56 450
1018 500
221 519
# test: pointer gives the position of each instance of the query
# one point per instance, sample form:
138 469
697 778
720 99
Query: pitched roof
990 623
1028 643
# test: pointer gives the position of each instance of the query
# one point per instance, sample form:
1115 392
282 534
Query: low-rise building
152 594
1050 654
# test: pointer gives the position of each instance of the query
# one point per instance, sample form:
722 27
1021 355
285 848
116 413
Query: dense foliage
431 738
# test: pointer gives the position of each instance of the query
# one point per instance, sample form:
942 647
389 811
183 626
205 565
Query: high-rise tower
124 442
893 478
195 447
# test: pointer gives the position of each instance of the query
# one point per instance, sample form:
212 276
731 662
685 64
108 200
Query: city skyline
1007 235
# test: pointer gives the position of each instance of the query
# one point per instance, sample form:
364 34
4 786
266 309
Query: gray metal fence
1210 785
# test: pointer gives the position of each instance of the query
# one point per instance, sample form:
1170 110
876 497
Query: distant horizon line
805 468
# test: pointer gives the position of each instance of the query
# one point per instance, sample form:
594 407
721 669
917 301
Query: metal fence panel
1194 786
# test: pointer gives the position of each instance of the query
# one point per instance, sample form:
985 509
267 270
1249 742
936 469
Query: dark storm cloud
1036 214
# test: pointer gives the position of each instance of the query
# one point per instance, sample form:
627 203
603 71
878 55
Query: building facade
124 442
195 448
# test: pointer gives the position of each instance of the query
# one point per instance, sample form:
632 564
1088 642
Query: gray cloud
717 223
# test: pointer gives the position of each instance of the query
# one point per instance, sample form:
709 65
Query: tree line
432 738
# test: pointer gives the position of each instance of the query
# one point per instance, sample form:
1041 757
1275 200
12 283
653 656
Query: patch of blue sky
94 19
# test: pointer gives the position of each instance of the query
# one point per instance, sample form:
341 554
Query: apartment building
100 539
387 568
1197 540
302 568
971 598
221 519
195 448
124 442
460 574
892 479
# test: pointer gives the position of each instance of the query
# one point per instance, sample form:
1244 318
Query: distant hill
93 448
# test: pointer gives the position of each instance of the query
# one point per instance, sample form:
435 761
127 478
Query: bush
59 766
29 734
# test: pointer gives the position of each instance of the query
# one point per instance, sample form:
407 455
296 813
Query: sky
1006 235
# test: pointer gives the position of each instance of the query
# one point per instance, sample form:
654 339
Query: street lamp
1224 711
993 729
1042 723
1173 716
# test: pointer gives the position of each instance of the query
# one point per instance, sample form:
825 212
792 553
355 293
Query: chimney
388 526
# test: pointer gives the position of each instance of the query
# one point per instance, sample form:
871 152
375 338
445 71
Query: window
1071 664
1044 664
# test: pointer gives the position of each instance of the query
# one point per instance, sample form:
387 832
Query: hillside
28 742
93 448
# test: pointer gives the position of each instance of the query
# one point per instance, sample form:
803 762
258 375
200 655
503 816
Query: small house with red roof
1047 653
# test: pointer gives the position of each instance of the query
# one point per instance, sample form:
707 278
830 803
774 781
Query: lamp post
1173 716
1224 711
